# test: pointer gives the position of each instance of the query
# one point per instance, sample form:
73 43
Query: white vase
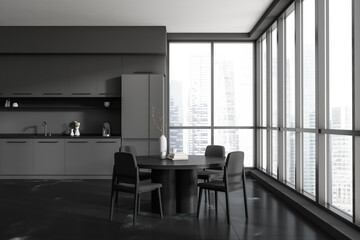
163 146
77 132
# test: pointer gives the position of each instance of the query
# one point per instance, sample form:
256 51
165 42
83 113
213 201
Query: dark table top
194 162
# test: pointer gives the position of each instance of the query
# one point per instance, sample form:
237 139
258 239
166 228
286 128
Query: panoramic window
211 105
290 96
340 105
308 98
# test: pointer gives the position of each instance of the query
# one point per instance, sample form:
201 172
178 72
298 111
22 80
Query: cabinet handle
81 94
16 141
48 94
22 93
48 141
78 142
106 142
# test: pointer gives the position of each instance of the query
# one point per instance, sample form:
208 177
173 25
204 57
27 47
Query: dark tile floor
79 209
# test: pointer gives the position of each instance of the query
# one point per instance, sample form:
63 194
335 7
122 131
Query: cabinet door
82 76
156 90
135 106
3 77
109 70
104 155
51 76
49 156
21 75
16 156
79 157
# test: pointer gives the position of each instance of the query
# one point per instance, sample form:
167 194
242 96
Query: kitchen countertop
54 135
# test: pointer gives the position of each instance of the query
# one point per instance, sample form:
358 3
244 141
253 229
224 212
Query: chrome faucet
45 128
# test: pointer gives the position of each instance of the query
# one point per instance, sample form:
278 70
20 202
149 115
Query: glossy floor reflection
79 209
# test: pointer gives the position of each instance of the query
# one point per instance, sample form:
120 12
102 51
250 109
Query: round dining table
178 179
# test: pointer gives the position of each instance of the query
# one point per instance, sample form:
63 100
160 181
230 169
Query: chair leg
216 201
138 203
245 202
208 192
160 204
206 198
199 201
135 208
227 206
112 202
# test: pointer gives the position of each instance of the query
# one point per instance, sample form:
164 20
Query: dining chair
143 175
126 179
233 180
212 173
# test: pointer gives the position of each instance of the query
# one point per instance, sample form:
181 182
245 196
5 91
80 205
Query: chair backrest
234 167
125 168
215 151
128 149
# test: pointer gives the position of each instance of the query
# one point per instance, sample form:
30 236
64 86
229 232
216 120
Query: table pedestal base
182 198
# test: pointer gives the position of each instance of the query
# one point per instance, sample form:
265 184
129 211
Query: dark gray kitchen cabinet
16 156
83 76
141 92
3 73
49 156
79 158
135 108
21 76
103 155
51 76
83 39
109 70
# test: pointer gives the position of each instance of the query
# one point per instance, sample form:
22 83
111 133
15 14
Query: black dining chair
126 179
212 173
233 180
143 175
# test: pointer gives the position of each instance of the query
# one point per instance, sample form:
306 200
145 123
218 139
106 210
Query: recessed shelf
56 104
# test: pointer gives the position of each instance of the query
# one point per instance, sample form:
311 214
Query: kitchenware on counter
106 130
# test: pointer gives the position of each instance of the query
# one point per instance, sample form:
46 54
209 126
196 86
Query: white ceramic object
72 132
163 146
77 132
15 104
106 104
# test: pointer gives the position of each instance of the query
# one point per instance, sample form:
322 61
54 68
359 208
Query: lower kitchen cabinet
103 155
78 157
49 157
90 157
58 157
16 156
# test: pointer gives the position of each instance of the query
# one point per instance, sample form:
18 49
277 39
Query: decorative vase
163 146
72 133
77 132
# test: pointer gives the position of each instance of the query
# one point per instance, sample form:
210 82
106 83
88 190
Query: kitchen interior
51 81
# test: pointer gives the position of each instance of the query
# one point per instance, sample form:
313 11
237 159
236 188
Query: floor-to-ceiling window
308 98
211 97
340 102
314 131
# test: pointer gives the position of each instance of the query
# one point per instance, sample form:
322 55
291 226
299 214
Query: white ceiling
179 16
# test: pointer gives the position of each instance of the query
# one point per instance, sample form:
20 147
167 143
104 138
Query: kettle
106 130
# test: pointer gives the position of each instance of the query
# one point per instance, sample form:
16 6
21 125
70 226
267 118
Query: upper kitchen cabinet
51 76
83 39
109 70
21 76
3 71
35 76
82 76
